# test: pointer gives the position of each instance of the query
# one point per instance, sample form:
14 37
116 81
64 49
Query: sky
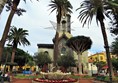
37 20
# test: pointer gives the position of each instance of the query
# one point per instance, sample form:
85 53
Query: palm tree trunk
106 46
13 55
5 33
2 3
56 49
7 28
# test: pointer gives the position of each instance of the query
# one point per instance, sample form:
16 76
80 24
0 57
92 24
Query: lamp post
92 69
91 64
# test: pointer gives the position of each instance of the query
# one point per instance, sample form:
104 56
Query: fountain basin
55 75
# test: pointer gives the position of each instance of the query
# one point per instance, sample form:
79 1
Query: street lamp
92 69
91 64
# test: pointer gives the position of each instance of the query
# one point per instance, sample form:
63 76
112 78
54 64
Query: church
64 32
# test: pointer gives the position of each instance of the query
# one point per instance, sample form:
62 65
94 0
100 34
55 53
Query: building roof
45 45
90 61
101 53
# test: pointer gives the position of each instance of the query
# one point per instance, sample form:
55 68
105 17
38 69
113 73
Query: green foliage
21 76
81 76
19 11
113 5
106 79
66 61
99 8
99 64
31 63
42 58
89 9
115 63
10 3
6 52
79 43
114 47
21 57
18 37
75 77
62 7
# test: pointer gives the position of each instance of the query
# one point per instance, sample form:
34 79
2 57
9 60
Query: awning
105 67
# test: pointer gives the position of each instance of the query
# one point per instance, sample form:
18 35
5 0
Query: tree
66 61
114 47
62 7
6 53
11 5
22 57
7 27
79 44
115 64
42 59
90 8
99 65
17 37
31 63
3 2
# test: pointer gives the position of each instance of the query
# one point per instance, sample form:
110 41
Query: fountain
54 77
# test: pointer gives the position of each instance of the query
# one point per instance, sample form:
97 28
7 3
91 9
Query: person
6 76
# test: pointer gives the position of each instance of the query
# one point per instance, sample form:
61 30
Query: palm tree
3 2
90 8
62 7
12 5
113 5
15 37
79 44
7 27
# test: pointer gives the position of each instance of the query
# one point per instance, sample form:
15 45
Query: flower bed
54 77
55 81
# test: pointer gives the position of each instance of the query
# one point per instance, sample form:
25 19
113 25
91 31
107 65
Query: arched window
101 58
46 52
